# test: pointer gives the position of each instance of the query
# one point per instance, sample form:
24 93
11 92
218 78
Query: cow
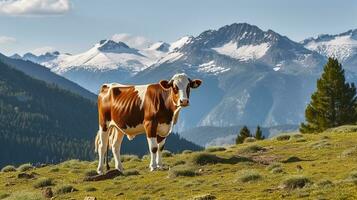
135 109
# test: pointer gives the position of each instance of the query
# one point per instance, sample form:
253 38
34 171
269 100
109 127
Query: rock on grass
8 168
292 159
249 176
295 182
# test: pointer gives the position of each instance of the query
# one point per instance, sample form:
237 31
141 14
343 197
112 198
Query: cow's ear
195 83
165 84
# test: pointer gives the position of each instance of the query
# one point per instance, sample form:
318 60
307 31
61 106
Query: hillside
321 166
43 123
42 73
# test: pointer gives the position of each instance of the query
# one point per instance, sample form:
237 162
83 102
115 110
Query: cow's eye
175 89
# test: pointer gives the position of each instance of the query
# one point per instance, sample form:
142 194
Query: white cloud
138 42
34 7
42 50
7 40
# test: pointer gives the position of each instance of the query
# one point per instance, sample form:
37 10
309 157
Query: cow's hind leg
102 148
161 144
118 138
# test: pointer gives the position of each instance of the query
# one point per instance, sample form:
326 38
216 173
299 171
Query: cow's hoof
153 169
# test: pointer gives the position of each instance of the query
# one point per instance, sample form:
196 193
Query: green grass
324 172
249 176
43 182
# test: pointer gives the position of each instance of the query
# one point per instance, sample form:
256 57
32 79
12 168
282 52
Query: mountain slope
42 73
316 166
40 122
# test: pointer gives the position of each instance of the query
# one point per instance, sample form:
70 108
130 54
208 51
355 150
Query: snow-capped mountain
341 46
250 76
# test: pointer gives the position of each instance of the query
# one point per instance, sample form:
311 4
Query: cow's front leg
151 128
161 144
153 150
116 145
102 148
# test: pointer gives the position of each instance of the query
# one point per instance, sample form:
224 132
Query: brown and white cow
134 109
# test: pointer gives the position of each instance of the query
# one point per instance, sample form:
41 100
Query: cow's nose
184 102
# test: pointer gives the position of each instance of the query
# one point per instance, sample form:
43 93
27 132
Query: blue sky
75 25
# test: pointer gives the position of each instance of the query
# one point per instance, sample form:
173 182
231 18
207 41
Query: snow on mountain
341 46
243 53
180 43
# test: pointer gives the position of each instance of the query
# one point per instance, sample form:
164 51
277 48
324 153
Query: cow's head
180 84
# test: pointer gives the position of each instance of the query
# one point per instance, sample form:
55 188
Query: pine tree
333 103
243 133
259 134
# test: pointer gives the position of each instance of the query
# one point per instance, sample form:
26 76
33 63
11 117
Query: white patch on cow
181 81
141 89
163 129
131 132
152 144
102 148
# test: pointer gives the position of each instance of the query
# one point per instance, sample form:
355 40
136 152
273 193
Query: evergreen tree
259 134
243 133
333 103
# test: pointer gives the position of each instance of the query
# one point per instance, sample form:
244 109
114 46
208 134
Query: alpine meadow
161 100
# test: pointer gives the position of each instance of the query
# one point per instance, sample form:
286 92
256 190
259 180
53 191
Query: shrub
295 182
25 167
43 182
179 162
182 171
132 172
90 189
126 158
65 189
8 168
23 195
249 139
206 158
301 140
214 149
253 149
249 176
4 195
277 170
297 136
283 137
273 165
186 151
166 153
54 170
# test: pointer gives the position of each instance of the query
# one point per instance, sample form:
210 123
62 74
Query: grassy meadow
289 166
